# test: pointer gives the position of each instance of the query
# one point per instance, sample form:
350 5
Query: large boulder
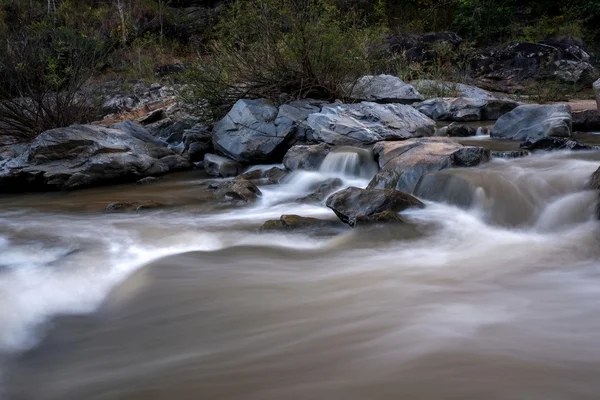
532 122
298 111
86 155
367 123
222 167
511 67
384 89
254 132
307 157
353 203
464 109
403 163
597 93
450 89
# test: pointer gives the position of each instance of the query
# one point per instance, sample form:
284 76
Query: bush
278 49
43 72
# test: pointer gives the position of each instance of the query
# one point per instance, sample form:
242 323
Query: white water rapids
499 299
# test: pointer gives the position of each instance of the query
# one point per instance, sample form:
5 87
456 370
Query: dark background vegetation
54 49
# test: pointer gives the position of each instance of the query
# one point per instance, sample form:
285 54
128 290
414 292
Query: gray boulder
404 163
464 109
83 156
298 112
137 131
307 157
367 123
253 132
532 122
353 204
451 89
597 93
384 89
222 167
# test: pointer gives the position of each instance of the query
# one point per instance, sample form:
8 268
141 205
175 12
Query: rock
367 123
510 154
586 121
298 111
532 122
596 86
463 109
384 217
275 175
253 132
554 143
196 151
384 89
83 156
510 67
451 89
594 182
153 116
138 132
132 206
307 157
323 190
238 190
456 129
197 142
215 165
353 203
296 222
410 159
253 175
147 180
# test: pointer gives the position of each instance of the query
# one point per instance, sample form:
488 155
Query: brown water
193 302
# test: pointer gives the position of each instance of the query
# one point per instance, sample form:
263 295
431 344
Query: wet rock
594 182
532 122
237 190
367 123
353 203
586 121
596 86
554 143
463 109
510 154
296 222
323 190
275 175
451 89
253 132
253 175
83 156
456 129
384 89
215 165
384 217
132 206
413 158
148 180
306 157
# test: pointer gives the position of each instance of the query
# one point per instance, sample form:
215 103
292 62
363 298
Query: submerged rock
306 157
352 204
237 190
533 122
296 222
323 190
86 155
510 154
367 123
384 89
403 163
464 109
253 132
554 143
132 206
215 165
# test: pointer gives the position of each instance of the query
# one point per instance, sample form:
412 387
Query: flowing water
494 298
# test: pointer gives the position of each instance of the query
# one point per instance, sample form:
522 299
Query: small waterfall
350 161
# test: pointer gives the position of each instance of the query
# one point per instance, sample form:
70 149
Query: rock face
532 122
464 109
554 143
403 163
367 123
353 203
307 157
254 132
597 93
85 155
586 121
222 167
451 89
384 89
507 68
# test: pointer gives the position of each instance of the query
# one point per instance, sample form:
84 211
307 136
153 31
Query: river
498 300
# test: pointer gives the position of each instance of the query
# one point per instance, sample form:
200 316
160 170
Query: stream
496 300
